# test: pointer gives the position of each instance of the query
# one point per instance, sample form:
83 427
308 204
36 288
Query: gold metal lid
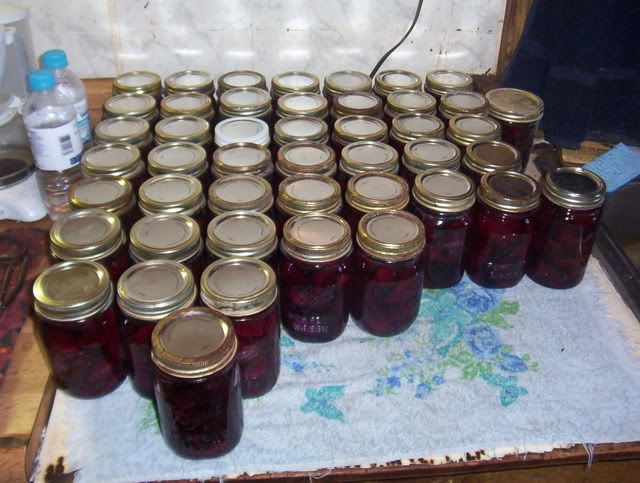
300 128
240 192
456 103
112 159
411 126
168 236
350 129
407 101
484 157
189 81
443 81
122 129
241 78
139 81
363 156
91 234
171 193
391 235
574 188
302 104
242 234
306 157
304 193
357 104
509 191
316 237
514 105
152 290
294 81
187 104
111 193
183 128
193 342
465 129
377 191
444 191
346 81
131 104
242 158
177 158
238 287
72 291
245 101
427 153
388 81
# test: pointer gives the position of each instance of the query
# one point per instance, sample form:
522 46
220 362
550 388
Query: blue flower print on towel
482 340
298 361
321 401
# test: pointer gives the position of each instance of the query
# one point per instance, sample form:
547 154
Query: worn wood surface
515 17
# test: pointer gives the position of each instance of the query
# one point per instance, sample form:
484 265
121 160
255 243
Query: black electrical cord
390 51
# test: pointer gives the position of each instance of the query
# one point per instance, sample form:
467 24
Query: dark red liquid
200 417
475 177
447 240
129 217
136 336
201 217
386 294
562 244
280 217
521 135
315 298
85 357
397 144
342 178
407 175
499 247
197 265
352 216
116 263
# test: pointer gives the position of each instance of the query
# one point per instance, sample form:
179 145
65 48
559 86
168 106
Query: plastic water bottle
71 86
50 119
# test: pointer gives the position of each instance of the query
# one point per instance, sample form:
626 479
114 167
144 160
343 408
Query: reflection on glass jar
242 130
294 81
132 104
115 159
138 81
565 227
341 81
363 157
240 192
242 158
356 104
502 229
304 157
388 81
180 158
428 153
456 103
188 104
125 129
408 102
191 129
189 81
302 104
298 128
349 129
241 78
246 102
465 129
443 81
482 157
409 127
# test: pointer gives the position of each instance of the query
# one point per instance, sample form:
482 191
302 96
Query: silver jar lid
428 153
465 129
302 104
443 81
316 237
189 81
349 129
183 128
171 193
391 235
187 104
179 157
241 78
300 128
132 104
305 193
294 81
359 103
363 156
514 105
407 101
240 192
346 81
113 159
242 158
306 157
377 191
388 81
242 234
123 129
245 102
574 188
408 127
456 103
509 191
444 191
167 236
140 81
484 157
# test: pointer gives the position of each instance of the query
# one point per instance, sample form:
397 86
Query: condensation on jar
409 127
388 81
134 105
565 227
190 129
363 157
146 293
456 103
246 102
350 129
356 104
138 81
125 129
408 102
302 104
114 159
443 200
94 235
241 78
242 158
294 81
168 237
188 104
465 129
190 81
341 81
502 229
245 290
242 130
298 128
197 382
388 272
443 81
305 157
483 157
76 325
180 158
428 153
373 191
315 270
240 192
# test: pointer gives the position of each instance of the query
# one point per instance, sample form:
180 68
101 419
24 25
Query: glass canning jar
341 81
349 129
240 192
125 129
294 81
180 158
245 290
168 237
356 104
191 129
76 325
565 227
302 104
94 235
443 81
115 159
443 200
298 128
134 105
519 113
388 81
315 270
241 78
306 193
242 130
388 272
246 102
363 157
465 129
190 81
243 234
304 157
484 157
242 158
188 104
428 153
409 127
408 102
373 191
197 382
502 229
456 103
138 81
174 193
146 293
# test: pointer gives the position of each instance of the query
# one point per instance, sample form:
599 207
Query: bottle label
82 118
56 148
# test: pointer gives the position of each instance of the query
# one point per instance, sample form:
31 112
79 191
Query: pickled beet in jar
349 129
240 192
241 78
304 157
125 130
456 103
483 157
388 272
443 81
197 383
148 292
428 153
341 81
294 81
180 158
189 81
502 229
443 200
357 104
363 157
245 290
94 235
191 129
465 129
409 127
302 104
565 227
114 159
408 102
388 81
132 104
242 158
298 128
188 104
76 325
315 274
246 102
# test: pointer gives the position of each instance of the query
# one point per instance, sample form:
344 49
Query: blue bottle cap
54 59
41 80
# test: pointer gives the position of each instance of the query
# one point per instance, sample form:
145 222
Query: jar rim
444 191
262 162
449 108
225 240
460 129
280 88
400 131
205 86
320 110
341 109
290 163
478 161
314 193
229 107
201 107
173 244
340 129
317 237
395 106
442 81
514 105
282 137
385 234
224 85
415 160
104 130
146 107
351 162
153 83
384 86
333 87
112 193
376 190
199 133
262 202
194 167
95 160
574 188
155 194
509 191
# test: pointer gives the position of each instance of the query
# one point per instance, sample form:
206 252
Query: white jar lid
242 130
